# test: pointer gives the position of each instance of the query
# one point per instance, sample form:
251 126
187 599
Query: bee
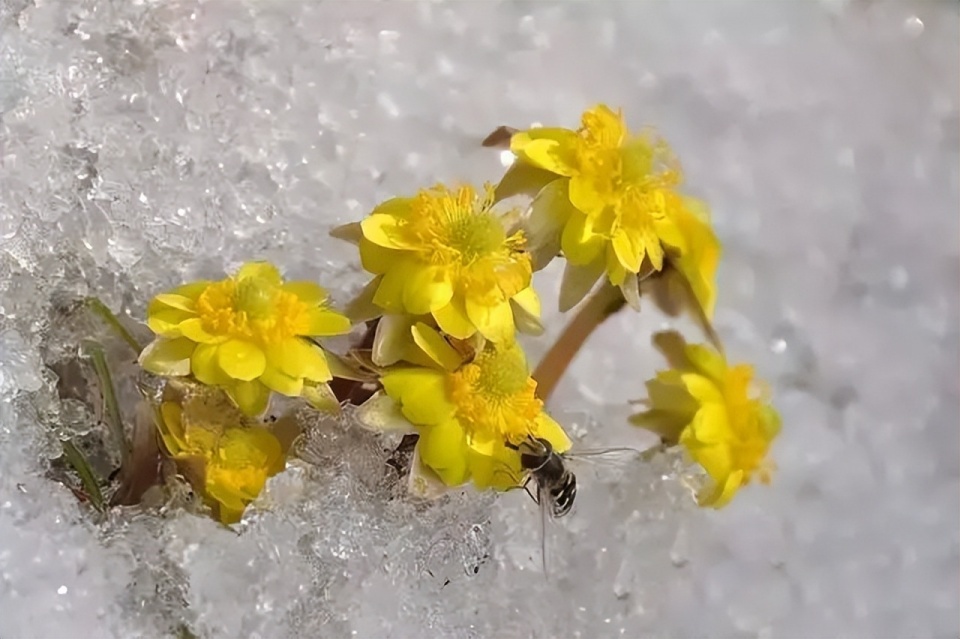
556 484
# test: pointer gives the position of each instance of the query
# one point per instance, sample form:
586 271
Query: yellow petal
398 207
179 302
528 300
385 230
241 360
205 366
494 322
428 289
422 393
522 178
703 389
323 322
307 292
707 361
193 329
298 358
711 430
433 344
171 428
167 357
443 448
361 308
280 382
377 259
580 244
668 425
423 482
192 290
626 251
251 397
260 270
166 321
389 295
552 149
322 398
547 428
498 470
585 196
453 319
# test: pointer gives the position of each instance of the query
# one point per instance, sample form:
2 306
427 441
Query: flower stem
114 419
100 310
602 304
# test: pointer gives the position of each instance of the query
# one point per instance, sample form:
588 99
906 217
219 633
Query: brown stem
598 307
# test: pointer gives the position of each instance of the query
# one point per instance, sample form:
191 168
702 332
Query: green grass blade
100 310
114 419
90 483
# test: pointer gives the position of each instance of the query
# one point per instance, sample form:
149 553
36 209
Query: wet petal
168 357
241 360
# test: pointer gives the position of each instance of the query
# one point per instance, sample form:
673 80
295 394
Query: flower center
495 396
457 227
251 308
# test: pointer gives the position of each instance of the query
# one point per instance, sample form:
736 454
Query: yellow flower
445 253
226 461
608 199
707 406
246 333
468 411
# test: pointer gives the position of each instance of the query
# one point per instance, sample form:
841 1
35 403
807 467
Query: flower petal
307 292
381 413
361 308
428 289
193 329
205 366
166 321
193 290
167 357
443 448
389 295
241 360
385 230
580 244
547 428
493 322
522 178
552 149
391 339
377 259
260 270
280 382
528 300
433 344
179 302
628 251
251 397
422 393
453 319
170 426
323 322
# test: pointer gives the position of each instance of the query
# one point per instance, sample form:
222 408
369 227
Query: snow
147 143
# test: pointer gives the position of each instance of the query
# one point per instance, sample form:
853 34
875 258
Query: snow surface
146 143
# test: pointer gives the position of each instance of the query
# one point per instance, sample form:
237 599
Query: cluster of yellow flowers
452 287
